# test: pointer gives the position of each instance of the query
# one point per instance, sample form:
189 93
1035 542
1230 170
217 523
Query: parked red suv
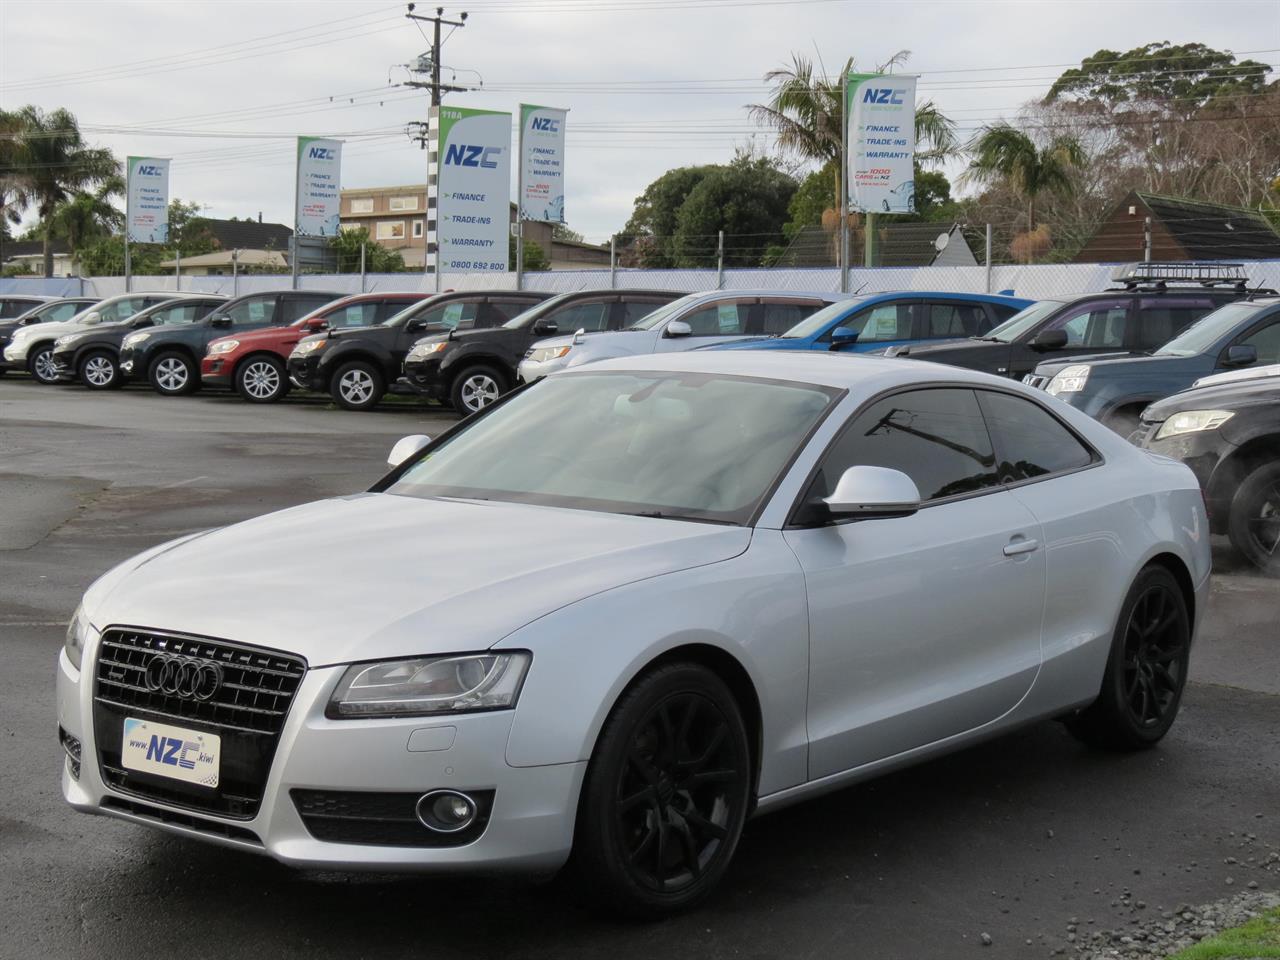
253 363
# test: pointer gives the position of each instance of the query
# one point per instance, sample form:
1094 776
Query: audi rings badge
183 677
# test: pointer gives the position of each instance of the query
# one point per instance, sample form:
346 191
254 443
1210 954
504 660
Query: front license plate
172 752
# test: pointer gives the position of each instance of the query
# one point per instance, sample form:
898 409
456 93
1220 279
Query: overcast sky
650 84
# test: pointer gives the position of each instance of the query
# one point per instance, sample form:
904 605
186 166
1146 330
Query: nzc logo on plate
463 155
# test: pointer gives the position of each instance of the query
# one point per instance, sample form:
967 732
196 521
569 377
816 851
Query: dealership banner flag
318 189
881 142
473 206
147 200
542 163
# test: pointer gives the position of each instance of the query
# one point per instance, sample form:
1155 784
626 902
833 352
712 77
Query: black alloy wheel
261 379
1254 521
40 364
667 793
1147 669
98 370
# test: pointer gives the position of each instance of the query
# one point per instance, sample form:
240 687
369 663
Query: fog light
446 811
72 747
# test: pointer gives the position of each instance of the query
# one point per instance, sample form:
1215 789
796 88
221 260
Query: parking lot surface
1014 839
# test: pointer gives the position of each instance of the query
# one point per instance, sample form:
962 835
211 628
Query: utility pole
423 133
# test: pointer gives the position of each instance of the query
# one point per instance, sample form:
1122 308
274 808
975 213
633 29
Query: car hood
53 329
756 343
1110 364
1227 396
263 335
938 349
376 575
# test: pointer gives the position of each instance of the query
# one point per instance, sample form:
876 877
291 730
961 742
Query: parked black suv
93 357
1227 430
1152 304
168 357
471 368
354 366
48 311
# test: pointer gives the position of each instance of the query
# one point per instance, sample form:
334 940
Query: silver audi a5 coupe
621 611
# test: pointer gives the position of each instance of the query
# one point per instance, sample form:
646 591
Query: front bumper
216 371
530 825
1203 451
530 370
423 376
64 362
15 356
132 363
304 373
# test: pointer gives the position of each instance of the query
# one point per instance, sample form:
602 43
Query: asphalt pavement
1015 839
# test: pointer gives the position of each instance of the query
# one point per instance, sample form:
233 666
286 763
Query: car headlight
133 339
426 349
543 354
1069 380
309 346
424 686
77 631
1193 421
223 346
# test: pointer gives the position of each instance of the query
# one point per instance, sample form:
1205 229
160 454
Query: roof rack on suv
1206 273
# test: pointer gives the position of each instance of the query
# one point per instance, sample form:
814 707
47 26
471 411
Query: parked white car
31 347
697 320
619 612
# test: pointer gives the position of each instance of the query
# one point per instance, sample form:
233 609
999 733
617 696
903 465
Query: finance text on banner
147 200
474 190
319 187
542 163
882 142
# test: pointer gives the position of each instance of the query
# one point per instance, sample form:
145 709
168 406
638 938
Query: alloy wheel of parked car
667 793
1254 523
1147 669
475 389
98 371
357 386
41 364
261 380
172 374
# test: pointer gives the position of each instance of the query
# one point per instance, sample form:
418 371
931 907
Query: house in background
1181 229
30 254
396 218
243 246
901 245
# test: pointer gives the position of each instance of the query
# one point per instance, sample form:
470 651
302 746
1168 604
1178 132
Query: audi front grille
241 693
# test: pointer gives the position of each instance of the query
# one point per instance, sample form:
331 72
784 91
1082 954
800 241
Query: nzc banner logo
322 153
150 170
464 155
883 95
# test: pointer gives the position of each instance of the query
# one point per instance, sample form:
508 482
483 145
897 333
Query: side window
295 307
123 309
12 308
1095 323
781 317
64 311
1160 319
886 321
510 309
450 314
1003 312
955 320
1267 342
1030 441
253 313
581 316
176 316
720 319
633 310
353 315
936 437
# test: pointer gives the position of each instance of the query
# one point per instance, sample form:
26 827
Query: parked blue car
1116 389
882 320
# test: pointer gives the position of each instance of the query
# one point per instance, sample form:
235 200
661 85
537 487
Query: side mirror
406 447
1240 355
93 316
874 492
220 321
842 337
315 326
546 328
435 326
415 324
678 328
1047 340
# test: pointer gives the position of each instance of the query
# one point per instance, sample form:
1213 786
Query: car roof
839 370
710 296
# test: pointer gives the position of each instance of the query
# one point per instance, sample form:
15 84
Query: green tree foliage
747 199
189 236
1189 75
650 231
535 258
88 216
377 258
1002 153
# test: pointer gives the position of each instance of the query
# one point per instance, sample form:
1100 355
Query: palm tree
1003 154
89 216
806 107
13 199
52 162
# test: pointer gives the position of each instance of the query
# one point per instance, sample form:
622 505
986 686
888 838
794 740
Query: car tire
40 364
475 388
99 370
666 794
262 379
1125 421
1253 524
357 385
1146 668
173 374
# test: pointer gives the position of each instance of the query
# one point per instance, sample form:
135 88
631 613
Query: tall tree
747 199
87 216
13 197
1003 153
52 162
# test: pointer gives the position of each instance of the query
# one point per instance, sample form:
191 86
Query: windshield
1021 322
660 316
1209 329
815 322
521 320
679 445
54 312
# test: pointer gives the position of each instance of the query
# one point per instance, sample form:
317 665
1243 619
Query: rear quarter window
1029 441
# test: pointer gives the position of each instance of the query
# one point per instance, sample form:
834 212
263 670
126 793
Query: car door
926 626
1092 326
779 314
1264 337
711 323
881 325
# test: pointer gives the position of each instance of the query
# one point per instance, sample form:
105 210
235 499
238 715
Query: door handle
1017 547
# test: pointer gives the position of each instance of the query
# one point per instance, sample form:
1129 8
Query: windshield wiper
660 515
